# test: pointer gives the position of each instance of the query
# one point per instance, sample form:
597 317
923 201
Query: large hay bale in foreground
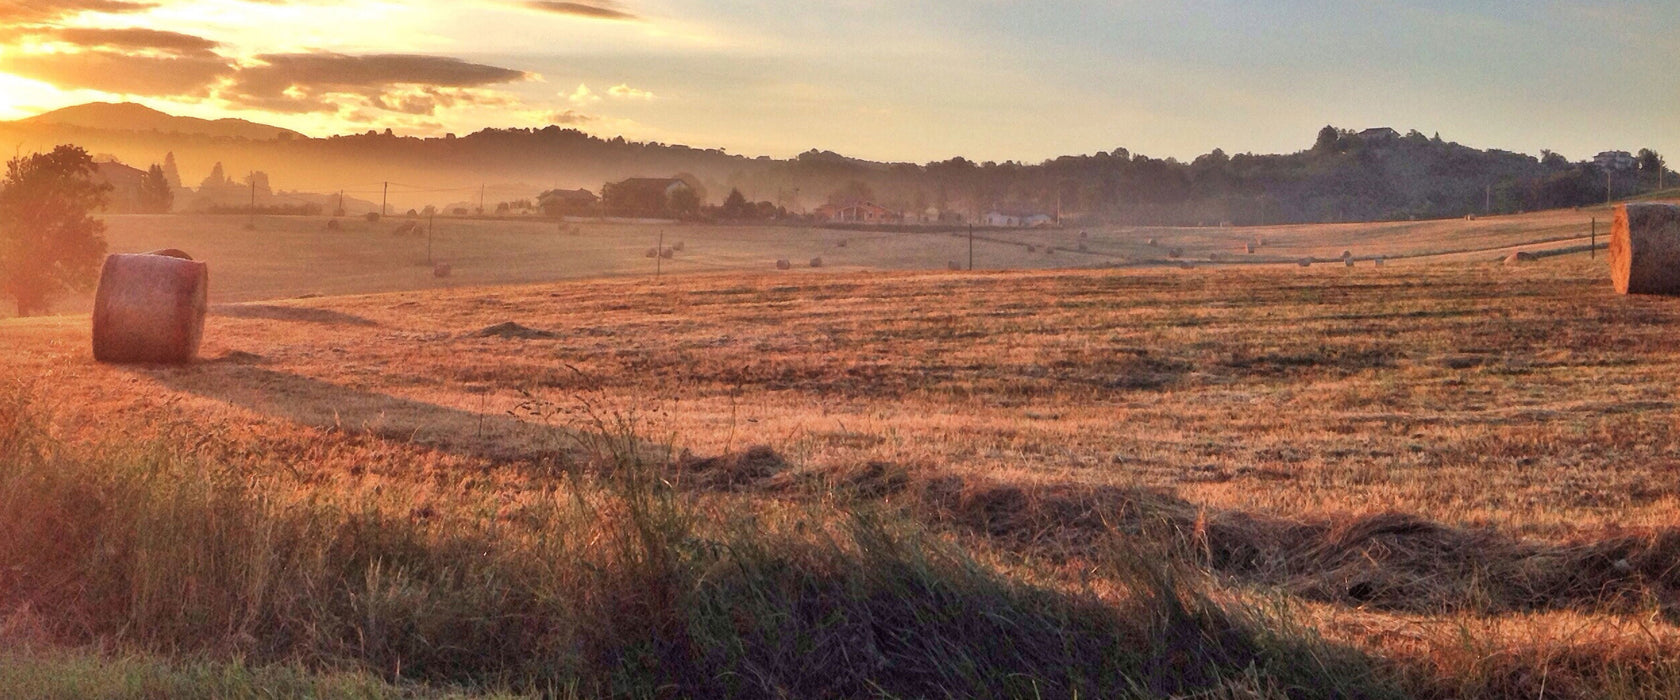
1645 249
150 308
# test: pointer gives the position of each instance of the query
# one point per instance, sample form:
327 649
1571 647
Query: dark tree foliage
156 196
735 206
49 240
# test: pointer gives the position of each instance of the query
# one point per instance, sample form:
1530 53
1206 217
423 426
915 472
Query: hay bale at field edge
150 308
1645 249
784 264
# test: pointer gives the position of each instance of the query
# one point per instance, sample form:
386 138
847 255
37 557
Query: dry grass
1467 472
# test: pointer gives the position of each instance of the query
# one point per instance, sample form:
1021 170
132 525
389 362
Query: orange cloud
597 9
309 82
32 11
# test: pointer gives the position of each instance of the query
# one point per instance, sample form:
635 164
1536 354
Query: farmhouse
653 196
556 203
858 213
1010 217
125 185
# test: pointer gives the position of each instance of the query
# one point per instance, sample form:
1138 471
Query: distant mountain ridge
128 116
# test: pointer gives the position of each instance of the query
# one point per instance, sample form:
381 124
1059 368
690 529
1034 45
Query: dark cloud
597 9
123 74
13 12
394 82
570 118
123 40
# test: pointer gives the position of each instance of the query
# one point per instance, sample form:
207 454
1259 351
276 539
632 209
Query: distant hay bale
372 217
1304 262
442 270
678 246
1049 250
816 262
668 252
1249 248
1469 217
953 265
1347 261
1032 249
408 228
1153 243
1175 253
841 243
784 264
1378 261
1519 257
1346 254
150 308
651 253
333 225
1082 234
1645 249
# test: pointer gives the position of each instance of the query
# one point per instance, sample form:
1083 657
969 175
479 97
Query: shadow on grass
273 312
319 404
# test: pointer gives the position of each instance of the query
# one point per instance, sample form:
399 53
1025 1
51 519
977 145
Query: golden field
1465 476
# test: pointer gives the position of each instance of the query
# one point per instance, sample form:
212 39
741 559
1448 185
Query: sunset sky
886 80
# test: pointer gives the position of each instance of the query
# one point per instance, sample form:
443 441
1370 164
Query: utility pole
339 211
659 255
1607 186
481 200
1487 207
253 200
1592 250
383 196
971 247
429 221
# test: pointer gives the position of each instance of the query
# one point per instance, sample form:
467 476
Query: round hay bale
678 246
1519 257
1249 248
784 264
1645 249
841 244
150 308
372 217
816 262
668 253
1305 262
1378 261
1032 249
333 225
952 265
442 270
1082 234
1347 261
1153 243
651 253
1175 253
1347 254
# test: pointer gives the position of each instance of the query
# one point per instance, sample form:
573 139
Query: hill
128 116
1372 175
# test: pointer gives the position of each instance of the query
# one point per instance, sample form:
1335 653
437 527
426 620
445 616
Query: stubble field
1463 476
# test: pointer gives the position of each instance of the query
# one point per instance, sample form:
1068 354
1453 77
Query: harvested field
1464 473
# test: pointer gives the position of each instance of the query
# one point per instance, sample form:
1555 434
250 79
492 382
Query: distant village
679 197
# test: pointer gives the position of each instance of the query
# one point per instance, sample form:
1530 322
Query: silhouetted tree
156 196
49 240
1327 138
735 206
683 203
